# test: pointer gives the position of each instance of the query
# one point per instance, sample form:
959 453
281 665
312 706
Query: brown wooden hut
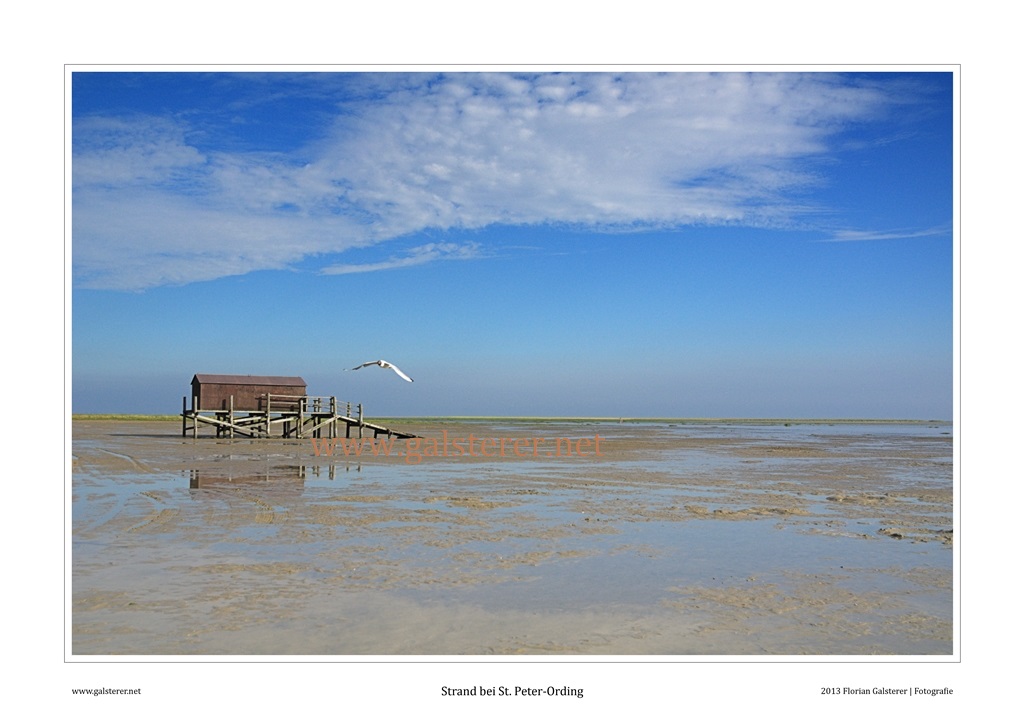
212 392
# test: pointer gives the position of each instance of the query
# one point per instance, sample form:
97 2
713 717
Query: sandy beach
633 539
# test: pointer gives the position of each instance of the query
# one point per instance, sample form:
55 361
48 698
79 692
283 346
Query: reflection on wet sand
294 476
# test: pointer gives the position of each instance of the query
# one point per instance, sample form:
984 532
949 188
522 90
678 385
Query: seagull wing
368 363
393 367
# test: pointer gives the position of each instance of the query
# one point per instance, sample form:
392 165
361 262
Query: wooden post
360 420
231 415
195 417
184 419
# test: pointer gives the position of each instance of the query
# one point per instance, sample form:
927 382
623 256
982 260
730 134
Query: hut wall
248 395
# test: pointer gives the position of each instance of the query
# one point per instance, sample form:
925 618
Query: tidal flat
653 538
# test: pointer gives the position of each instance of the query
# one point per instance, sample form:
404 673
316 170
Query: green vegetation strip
389 420
124 417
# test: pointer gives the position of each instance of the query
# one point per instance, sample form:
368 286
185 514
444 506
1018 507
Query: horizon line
614 419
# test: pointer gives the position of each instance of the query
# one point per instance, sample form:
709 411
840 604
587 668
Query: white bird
383 364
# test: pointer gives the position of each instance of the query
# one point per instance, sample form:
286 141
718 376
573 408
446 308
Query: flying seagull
383 364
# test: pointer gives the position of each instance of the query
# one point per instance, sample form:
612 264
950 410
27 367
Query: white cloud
154 204
129 152
866 235
420 255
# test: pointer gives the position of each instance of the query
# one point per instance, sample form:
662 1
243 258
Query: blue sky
551 244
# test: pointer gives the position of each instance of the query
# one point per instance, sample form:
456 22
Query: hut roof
249 380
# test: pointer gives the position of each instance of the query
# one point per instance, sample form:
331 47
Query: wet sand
679 539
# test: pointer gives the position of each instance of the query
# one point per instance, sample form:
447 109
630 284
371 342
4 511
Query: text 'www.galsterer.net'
415 450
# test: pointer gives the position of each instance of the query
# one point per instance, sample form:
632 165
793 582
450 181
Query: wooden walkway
284 417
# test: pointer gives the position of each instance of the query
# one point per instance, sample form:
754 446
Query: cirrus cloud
157 200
